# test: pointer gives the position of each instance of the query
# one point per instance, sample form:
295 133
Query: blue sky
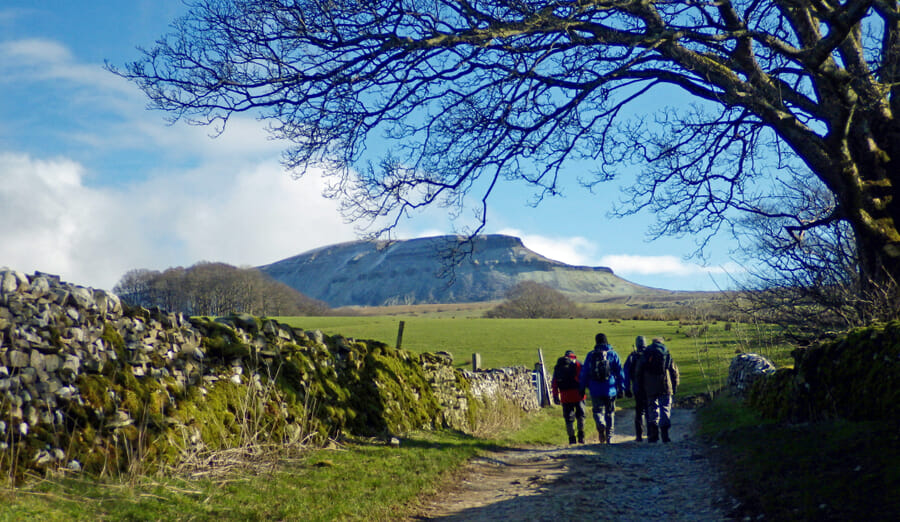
92 184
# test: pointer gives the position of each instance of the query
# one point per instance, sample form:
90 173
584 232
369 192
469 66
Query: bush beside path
624 481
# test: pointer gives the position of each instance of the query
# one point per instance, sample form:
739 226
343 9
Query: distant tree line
215 289
532 300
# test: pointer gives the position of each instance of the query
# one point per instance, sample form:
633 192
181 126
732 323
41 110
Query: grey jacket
656 385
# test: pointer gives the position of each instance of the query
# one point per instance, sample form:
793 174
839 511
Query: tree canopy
468 94
215 289
532 300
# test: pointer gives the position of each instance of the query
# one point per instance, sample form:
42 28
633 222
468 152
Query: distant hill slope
380 273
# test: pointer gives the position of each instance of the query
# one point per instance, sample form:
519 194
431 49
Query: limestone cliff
377 273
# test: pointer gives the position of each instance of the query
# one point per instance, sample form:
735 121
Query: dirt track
624 481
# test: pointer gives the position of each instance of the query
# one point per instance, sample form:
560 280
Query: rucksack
565 373
655 361
600 370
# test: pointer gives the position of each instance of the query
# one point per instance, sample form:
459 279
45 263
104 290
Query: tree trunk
875 218
870 195
878 248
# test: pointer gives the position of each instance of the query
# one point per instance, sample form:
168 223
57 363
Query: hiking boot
639 438
602 437
609 435
581 437
665 434
638 432
652 433
571 439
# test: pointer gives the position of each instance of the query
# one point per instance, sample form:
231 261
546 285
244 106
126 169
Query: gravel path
624 481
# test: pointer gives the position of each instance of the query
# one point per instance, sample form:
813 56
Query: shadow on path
622 481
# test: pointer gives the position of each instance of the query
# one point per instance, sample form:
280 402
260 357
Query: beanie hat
600 338
639 342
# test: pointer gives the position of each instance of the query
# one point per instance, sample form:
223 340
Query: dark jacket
568 396
631 384
616 381
656 385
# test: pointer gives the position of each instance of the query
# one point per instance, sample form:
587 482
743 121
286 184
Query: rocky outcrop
87 382
376 273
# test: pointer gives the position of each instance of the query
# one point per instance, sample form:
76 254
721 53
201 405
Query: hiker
602 375
633 387
567 391
658 375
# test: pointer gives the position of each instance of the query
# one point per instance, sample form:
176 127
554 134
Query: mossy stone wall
854 377
89 383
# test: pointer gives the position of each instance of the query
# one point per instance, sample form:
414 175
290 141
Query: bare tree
215 289
532 300
470 94
811 279
136 286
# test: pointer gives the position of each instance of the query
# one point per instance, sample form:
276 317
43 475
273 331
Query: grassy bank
360 480
357 480
835 470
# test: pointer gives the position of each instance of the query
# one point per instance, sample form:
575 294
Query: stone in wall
744 370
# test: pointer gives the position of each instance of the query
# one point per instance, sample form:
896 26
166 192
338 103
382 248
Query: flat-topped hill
380 273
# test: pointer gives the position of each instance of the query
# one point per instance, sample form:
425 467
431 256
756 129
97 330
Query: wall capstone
744 370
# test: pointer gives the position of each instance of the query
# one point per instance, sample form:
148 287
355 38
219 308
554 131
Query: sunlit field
702 351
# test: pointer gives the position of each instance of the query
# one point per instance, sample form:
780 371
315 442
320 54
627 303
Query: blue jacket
616 382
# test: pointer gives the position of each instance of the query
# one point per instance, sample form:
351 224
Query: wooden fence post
545 384
400 334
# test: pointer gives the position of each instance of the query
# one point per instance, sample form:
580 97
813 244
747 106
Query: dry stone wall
83 375
512 384
855 376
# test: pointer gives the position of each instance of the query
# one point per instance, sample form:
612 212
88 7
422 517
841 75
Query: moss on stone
94 390
346 386
855 377
114 339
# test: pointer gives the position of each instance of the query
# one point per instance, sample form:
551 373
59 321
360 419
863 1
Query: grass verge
835 470
361 480
358 480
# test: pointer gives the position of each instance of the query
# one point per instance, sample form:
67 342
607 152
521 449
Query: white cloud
581 251
644 265
253 215
40 59
663 265
243 138
37 51
570 250
53 222
233 203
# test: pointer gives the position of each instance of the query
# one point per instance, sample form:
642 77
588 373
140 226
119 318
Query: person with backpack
658 374
567 391
602 374
634 388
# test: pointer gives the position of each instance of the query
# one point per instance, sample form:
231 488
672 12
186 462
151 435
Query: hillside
383 273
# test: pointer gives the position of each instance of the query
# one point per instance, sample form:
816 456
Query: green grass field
702 352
